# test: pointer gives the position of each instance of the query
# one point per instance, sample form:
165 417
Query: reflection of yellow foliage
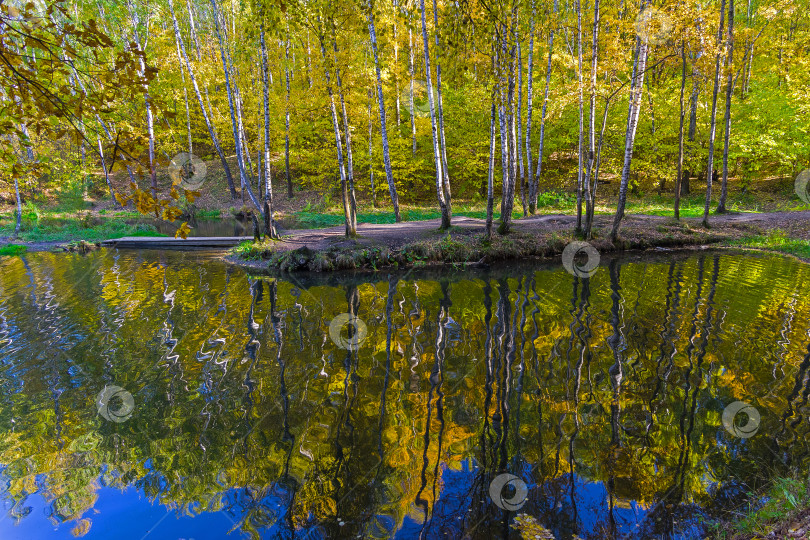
528 528
82 527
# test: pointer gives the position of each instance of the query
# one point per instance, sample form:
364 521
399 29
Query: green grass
691 206
786 497
776 240
334 217
12 249
62 230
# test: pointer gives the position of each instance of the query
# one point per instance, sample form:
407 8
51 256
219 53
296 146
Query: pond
203 227
168 395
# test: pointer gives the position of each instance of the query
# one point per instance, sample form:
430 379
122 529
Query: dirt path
636 229
396 235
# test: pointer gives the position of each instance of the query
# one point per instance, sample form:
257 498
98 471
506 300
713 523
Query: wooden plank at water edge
161 242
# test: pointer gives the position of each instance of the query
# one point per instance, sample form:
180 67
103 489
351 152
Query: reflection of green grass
776 240
11 249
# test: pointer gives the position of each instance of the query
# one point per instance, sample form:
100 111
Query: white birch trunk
389 175
232 106
636 91
269 222
434 129
208 123
721 206
713 121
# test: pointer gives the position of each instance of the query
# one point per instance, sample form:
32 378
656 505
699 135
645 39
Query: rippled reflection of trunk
616 374
389 324
286 436
436 380
344 419
669 333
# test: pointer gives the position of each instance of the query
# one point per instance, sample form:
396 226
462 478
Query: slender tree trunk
232 106
396 59
208 123
509 141
536 182
590 211
287 112
445 208
106 172
632 123
350 231
347 132
679 179
18 224
269 222
440 110
580 97
519 141
150 121
529 178
389 175
590 190
370 153
185 98
410 72
491 172
713 122
721 206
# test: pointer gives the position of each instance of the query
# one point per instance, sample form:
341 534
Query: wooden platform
161 242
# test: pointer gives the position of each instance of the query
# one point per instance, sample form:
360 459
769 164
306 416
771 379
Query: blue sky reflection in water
250 419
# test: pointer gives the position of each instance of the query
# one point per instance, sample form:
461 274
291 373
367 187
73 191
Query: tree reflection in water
604 395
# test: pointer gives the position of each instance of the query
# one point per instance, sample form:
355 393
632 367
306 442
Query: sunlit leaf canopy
72 74
237 385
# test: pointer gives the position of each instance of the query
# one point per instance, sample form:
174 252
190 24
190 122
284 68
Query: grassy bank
783 511
459 247
775 240
49 228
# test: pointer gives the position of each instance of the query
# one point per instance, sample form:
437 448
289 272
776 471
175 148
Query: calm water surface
604 397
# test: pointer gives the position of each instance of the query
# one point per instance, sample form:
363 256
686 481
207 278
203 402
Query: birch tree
721 205
208 123
636 90
444 205
713 118
389 176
